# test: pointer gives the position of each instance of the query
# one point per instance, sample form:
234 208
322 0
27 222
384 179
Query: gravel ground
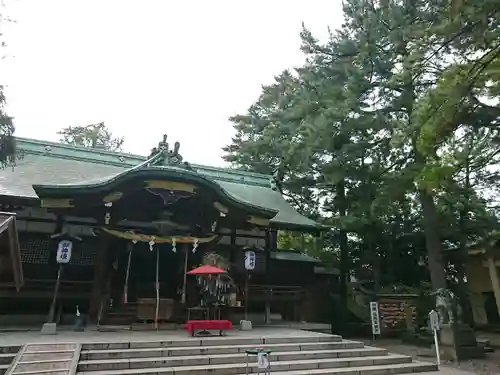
489 365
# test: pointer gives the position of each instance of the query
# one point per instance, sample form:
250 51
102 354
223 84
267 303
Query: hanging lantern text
249 260
64 251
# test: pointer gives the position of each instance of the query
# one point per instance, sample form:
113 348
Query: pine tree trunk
344 258
461 262
432 240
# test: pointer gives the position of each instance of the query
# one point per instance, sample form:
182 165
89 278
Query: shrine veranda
133 226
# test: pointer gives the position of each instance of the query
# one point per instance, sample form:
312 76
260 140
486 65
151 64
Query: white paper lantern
64 251
249 260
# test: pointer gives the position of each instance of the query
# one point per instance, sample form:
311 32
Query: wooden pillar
98 285
495 283
233 246
269 292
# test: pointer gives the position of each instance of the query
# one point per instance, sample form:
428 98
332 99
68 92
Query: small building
135 225
483 282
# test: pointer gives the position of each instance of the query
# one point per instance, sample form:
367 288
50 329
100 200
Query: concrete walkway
90 336
447 371
93 336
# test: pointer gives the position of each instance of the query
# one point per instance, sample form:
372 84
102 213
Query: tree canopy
389 134
8 150
91 136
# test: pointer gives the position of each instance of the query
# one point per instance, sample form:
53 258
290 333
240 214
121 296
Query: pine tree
91 136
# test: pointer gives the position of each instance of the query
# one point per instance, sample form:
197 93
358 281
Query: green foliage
91 136
8 151
387 133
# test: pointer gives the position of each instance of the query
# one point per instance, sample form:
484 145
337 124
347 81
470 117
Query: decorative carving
447 306
169 196
173 156
168 156
171 185
170 191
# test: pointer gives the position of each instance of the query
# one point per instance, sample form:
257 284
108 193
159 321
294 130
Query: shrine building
127 228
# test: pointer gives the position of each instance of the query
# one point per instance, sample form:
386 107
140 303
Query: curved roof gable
50 165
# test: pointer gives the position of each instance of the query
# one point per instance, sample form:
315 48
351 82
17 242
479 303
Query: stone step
236 368
217 359
47 365
215 349
212 341
46 359
399 368
10 349
44 372
49 347
6 358
48 356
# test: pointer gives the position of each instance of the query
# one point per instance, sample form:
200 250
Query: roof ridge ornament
162 155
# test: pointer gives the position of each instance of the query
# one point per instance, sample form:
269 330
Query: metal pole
52 310
436 344
183 297
157 286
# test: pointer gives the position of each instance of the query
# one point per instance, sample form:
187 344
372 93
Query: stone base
49 329
458 343
79 324
245 325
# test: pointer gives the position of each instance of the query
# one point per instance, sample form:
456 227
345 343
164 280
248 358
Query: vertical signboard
375 318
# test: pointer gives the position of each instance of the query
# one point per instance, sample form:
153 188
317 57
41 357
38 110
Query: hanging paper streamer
151 243
174 245
195 245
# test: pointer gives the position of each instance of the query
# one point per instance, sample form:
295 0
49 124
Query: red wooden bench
208 325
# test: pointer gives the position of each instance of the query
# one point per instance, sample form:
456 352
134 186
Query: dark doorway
490 307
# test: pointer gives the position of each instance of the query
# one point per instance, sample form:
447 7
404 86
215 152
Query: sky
151 67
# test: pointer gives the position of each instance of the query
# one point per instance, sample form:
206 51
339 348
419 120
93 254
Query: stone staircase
298 355
46 359
7 356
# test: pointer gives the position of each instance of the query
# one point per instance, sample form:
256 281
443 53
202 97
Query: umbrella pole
183 298
157 286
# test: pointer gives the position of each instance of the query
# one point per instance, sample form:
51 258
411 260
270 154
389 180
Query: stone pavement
167 352
93 336
90 336
487 366
448 371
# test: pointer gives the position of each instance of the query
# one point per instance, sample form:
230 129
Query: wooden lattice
38 251
35 250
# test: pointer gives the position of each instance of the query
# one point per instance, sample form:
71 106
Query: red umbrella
206 270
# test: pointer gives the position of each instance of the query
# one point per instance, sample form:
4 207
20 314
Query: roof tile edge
126 160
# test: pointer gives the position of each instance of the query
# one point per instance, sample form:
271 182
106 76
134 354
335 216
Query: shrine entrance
142 275
151 220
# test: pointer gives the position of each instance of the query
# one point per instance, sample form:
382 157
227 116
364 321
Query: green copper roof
293 256
48 163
